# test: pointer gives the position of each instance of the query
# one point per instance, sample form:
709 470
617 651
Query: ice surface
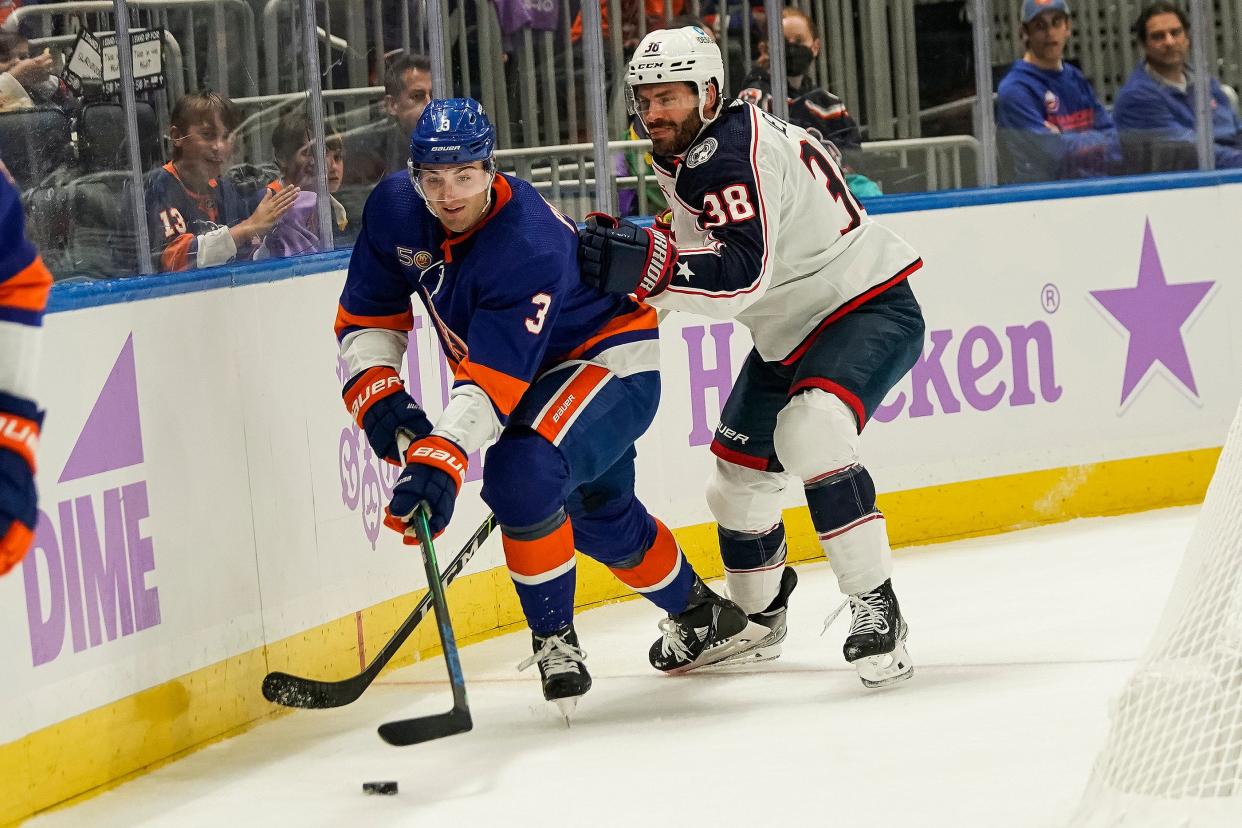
1019 642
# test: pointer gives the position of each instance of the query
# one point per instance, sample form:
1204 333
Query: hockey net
1174 751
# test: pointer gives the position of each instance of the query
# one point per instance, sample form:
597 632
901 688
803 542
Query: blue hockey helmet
452 131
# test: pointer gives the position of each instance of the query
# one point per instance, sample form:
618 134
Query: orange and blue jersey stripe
24 286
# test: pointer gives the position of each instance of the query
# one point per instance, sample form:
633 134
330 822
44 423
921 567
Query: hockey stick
296 691
457 720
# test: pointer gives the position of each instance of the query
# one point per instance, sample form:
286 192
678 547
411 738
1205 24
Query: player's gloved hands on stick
434 471
618 257
378 402
20 422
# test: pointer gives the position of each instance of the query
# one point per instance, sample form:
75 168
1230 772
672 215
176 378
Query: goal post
1173 756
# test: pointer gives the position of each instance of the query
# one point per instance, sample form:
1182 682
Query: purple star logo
1154 312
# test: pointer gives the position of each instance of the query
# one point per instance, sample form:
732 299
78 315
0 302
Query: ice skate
710 629
773 618
876 643
561 667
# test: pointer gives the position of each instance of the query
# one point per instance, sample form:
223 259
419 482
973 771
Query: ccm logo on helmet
375 389
444 458
659 257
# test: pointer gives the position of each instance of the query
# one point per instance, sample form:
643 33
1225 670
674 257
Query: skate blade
769 649
567 706
885 669
747 639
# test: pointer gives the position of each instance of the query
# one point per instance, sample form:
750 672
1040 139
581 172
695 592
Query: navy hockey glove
434 471
20 422
619 257
379 404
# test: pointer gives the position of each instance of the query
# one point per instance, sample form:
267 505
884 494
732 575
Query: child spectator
197 217
293 145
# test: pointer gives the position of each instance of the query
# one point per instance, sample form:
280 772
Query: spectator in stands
383 148
24 80
630 12
811 107
293 146
1155 110
195 214
1049 121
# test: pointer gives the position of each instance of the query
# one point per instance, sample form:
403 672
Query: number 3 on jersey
812 158
730 205
542 302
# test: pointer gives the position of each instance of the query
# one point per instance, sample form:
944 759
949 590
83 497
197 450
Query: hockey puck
385 788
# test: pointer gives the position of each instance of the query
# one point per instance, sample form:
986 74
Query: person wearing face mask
813 108
810 107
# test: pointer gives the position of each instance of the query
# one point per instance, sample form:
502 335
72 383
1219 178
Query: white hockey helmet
687 55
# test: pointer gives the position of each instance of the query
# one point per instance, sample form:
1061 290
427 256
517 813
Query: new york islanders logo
1051 104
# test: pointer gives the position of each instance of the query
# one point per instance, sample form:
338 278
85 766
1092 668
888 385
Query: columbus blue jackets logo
701 153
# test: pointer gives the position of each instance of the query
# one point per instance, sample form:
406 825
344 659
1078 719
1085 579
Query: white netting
1173 758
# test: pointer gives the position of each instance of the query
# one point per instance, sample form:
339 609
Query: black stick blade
312 694
426 728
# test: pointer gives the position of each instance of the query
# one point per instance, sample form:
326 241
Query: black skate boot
773 618
876 644
560 660
711 628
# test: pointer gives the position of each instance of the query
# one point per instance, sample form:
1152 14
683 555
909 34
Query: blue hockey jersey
178 219
505 297
24 286
1050 125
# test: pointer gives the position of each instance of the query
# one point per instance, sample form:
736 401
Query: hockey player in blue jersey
562 377
24 286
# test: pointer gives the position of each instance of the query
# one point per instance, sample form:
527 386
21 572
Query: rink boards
209 513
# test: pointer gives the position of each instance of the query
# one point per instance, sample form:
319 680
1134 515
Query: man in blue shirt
1156 108
1050 123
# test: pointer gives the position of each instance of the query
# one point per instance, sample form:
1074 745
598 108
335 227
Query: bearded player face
670 112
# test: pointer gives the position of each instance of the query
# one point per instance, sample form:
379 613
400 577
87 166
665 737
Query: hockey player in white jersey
763 229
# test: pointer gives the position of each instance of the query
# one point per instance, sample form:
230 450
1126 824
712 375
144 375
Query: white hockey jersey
768 233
